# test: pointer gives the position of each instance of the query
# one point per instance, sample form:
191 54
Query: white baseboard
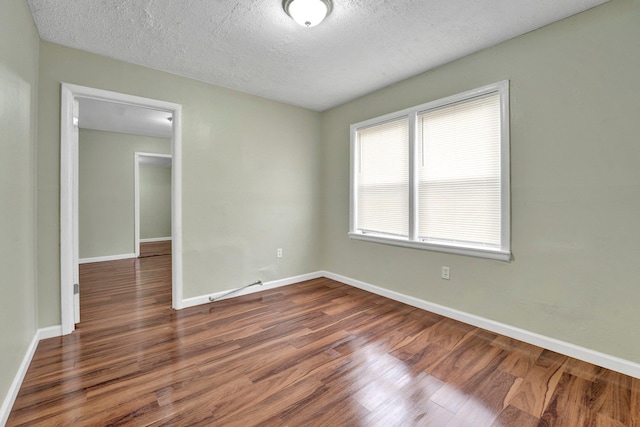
106 258
608 361
204 299
155 239
49 332
12 393
604 360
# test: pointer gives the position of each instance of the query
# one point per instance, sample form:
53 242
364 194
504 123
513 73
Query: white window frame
504 252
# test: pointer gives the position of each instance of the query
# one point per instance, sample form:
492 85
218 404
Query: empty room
320 213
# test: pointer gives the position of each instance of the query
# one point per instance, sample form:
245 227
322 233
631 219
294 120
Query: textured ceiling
254 47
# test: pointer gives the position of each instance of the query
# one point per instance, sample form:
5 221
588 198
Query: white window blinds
436 176
459 173
383 178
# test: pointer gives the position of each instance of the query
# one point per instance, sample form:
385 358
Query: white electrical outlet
445 272
279 253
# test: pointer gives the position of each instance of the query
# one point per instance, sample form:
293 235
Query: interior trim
204 299
106 258
155 239
14 388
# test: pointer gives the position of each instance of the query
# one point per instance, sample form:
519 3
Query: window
436 176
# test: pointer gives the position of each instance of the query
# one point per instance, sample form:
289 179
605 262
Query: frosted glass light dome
307 13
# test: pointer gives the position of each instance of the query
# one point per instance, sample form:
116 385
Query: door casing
69 312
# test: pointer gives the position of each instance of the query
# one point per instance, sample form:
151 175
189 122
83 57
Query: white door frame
69 191
136 191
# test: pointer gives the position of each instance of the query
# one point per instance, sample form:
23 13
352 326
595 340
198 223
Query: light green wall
575 164
250 176
19 45
155 202
106 190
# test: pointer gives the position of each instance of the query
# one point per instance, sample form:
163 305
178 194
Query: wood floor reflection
317 353
148 249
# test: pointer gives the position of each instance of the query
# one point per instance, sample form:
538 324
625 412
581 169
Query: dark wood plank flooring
317 353
148 249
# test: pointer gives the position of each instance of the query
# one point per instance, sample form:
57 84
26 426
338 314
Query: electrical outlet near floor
445 272
279 253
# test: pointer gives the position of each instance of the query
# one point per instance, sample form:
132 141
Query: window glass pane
459 189
383 178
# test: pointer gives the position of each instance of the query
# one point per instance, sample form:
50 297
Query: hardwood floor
317 353
148 249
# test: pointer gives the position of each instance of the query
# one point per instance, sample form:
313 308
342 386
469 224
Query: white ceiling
254 47
155 161
123 118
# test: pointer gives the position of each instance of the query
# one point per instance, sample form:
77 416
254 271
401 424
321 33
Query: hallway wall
106 190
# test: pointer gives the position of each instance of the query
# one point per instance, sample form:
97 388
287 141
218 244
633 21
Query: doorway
152 204
69 243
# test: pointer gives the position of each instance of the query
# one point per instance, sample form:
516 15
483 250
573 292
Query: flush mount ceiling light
307 13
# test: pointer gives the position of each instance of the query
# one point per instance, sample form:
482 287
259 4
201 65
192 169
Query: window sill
466 251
